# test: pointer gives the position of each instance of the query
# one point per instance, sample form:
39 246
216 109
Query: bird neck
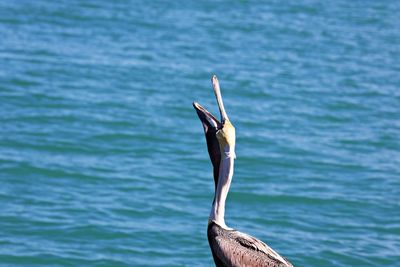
224 182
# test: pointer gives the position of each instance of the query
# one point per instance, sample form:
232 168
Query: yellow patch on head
226 136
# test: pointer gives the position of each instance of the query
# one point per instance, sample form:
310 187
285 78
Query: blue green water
103 160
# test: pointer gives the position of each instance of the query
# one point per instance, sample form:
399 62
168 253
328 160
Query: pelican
229 248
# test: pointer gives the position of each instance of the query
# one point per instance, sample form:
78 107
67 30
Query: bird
229 247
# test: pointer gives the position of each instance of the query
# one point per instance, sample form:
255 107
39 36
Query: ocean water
103 160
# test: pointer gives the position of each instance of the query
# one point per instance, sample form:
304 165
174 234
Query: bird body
233 248
230 248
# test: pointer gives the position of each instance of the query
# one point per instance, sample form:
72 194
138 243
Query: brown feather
232 248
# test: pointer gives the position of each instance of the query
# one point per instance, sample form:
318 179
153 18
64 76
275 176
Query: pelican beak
226 135
218 133
207 119
217 92
210 125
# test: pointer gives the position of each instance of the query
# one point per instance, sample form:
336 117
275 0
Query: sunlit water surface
103 160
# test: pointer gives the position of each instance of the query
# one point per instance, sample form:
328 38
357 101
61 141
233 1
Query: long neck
224 182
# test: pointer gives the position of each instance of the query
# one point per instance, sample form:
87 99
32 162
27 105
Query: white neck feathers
224 181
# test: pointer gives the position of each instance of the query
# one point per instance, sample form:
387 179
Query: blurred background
103 160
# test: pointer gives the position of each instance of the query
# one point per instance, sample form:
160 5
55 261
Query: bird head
220 135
